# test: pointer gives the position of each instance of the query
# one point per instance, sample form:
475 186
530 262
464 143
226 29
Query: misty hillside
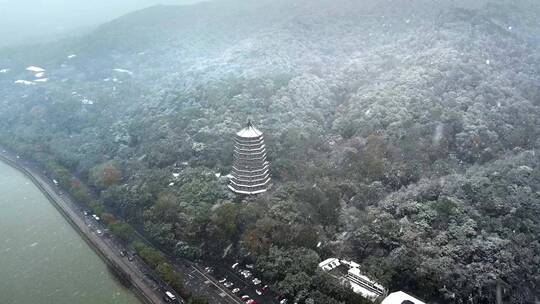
402 135
31 22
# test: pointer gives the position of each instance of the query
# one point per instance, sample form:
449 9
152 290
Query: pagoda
250 171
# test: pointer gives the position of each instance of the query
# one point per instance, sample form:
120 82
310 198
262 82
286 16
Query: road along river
42 258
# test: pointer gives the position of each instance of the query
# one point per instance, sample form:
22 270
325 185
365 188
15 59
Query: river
42 258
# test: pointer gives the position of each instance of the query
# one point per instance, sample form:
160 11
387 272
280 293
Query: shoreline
118 267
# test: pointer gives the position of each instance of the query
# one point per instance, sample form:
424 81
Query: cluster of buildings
348 273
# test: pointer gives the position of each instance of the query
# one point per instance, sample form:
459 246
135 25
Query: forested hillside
402 134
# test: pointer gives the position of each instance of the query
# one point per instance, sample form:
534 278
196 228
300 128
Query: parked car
246 273
228 284
169 297
236 290
256 281
223 280
258 292
209 269
251 302
265 288
245 297
235 265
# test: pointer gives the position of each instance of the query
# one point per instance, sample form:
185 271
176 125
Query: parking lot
243 280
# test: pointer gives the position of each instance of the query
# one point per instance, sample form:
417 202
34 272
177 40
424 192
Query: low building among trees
250 171
399 297
348 272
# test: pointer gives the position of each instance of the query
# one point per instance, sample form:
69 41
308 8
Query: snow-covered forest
402 135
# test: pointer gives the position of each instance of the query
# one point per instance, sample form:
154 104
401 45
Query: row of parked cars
246 274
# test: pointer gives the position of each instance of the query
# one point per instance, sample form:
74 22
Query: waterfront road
110 254
145 283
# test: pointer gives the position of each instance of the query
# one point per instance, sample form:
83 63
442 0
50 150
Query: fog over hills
402 134
31 21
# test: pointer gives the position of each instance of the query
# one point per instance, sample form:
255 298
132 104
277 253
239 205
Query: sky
28 21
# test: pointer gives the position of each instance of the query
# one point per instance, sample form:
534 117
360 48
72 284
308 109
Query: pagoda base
247 192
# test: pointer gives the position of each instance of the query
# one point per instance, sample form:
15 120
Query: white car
236 290
258 292
235 265
228 284
223 280
256 281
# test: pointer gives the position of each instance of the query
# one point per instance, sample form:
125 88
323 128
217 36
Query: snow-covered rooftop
35 69
329 264
363 285
249 132
124 71
25 82
399 297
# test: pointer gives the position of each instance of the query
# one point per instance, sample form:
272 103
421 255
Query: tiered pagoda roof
250 171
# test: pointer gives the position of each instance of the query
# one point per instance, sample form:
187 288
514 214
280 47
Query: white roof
398 297
366 293
123 71
356 272
249 132
329 264
26 82
35 69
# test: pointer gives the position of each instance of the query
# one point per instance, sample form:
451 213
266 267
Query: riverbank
127 271
196 280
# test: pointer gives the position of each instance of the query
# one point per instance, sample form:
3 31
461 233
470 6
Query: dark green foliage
122 230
